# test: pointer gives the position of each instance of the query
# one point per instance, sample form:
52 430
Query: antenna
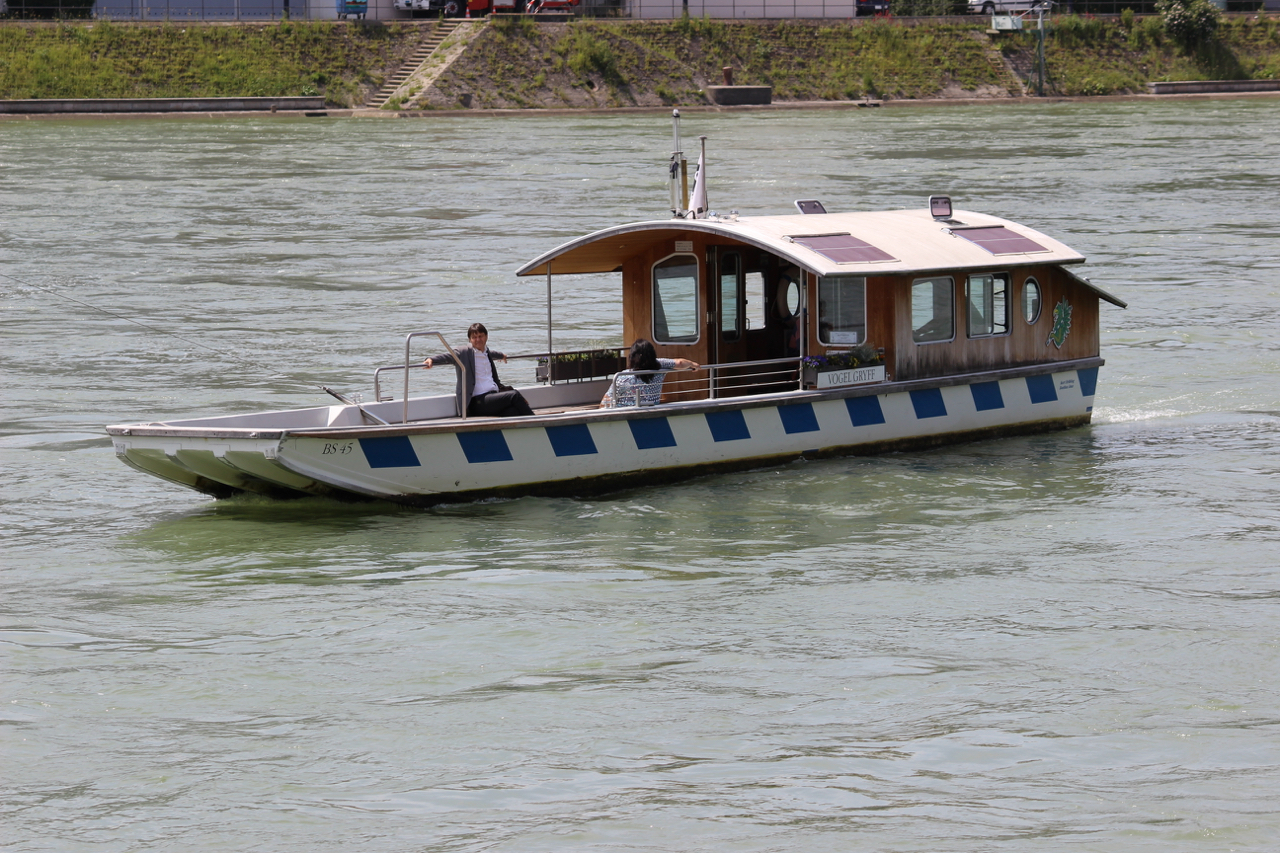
677 161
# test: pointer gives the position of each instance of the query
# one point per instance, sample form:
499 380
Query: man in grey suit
480 392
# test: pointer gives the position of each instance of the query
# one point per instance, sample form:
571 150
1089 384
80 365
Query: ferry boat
816 334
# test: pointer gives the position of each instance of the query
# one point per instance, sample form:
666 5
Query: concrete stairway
442 31
1005 69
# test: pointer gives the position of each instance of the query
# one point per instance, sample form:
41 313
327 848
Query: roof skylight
999 240
844 249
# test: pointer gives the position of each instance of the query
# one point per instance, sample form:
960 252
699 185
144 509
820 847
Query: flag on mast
698 202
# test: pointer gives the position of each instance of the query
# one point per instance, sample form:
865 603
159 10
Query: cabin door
739 314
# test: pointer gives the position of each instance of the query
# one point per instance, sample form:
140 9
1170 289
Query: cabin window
988 297
932 309
753 285
730 296
842 309
675 300
1031 300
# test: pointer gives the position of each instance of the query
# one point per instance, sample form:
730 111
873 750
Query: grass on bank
586 63
648 63
517 63
1107 56
107 60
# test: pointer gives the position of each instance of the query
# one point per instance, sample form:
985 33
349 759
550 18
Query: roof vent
810 206
939 206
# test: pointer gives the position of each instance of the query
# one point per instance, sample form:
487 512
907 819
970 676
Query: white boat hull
588 451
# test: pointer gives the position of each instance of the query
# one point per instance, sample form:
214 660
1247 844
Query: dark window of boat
731 296
842 310
932 309
844 248
999 240
988 298
1031 300
675 300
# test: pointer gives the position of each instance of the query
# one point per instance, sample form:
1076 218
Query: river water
1056 642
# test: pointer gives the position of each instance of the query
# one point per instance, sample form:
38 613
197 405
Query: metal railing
730 379
406 367
409 365
714 381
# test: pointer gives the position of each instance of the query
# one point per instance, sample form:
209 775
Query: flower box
861 365
578 366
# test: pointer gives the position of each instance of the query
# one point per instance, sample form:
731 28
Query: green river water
1059 642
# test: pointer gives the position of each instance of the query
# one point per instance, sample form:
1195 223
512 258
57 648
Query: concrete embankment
60 106
339 112
1201 87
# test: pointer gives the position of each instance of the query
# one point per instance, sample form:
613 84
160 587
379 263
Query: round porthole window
1031 300
793 298
788 302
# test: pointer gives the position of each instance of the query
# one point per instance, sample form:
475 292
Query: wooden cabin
957 294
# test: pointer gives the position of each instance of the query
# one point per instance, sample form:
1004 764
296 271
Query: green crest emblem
1061 324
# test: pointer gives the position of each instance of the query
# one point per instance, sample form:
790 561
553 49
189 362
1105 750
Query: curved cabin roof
871 243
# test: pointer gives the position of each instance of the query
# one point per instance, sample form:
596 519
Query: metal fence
267 10
201 10
169 10
837 9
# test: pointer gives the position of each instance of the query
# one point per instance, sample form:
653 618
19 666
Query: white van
996 7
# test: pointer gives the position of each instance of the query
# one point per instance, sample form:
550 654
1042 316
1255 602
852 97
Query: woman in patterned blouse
643 389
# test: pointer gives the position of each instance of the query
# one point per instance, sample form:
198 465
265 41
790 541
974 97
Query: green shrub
515 26
1072 31
1146 33
697 27
587 53
1189 22
1099 82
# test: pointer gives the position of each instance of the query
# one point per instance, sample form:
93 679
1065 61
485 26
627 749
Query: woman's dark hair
643 357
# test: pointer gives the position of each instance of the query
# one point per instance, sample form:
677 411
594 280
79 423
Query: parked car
996 7
433 8
866 8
